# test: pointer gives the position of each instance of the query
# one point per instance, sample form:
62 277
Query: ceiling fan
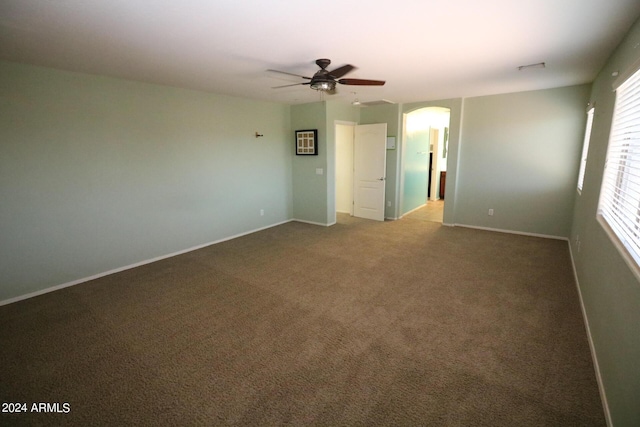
325 81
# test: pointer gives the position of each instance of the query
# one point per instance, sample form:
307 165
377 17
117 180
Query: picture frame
307 142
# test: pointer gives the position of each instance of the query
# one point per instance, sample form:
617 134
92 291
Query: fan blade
295 84
361 82
341 71
289 74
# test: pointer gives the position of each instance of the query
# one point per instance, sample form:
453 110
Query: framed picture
307 142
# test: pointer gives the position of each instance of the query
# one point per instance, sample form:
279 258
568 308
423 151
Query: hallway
432 211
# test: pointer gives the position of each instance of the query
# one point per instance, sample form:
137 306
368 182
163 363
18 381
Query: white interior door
369 168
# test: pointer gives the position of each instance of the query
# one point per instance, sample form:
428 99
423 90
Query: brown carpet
363 323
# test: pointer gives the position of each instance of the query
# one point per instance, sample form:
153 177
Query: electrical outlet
388 204
261 212
490 212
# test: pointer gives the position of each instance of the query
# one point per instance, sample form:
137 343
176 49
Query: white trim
521 233
130 266
314 223
585 147
390 218
594 357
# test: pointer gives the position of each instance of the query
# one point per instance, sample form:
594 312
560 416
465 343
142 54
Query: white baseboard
521 233
130 266
314 223
594 357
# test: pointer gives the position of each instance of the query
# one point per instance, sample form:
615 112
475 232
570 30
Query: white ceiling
425 50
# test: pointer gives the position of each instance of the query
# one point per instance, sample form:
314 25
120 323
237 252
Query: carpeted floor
363 323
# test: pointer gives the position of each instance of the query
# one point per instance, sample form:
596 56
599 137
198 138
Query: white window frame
619 205
585 147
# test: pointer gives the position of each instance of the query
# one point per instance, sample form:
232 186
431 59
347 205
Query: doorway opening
425 155
360 170
344 167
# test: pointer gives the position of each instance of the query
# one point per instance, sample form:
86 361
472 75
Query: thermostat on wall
391 143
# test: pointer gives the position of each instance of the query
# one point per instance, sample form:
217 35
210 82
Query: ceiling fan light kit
325 81
323 85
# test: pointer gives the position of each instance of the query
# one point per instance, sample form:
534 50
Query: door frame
335 169
452 155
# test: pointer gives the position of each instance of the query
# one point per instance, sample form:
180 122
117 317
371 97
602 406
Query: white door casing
369 168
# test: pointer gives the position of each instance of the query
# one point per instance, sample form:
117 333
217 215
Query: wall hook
258 135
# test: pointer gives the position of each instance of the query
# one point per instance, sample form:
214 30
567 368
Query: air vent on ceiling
537 65
379 102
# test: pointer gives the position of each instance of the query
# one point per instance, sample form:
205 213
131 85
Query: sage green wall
389 114
310 201
314 196
416 169
99 173
610 291
455 122
519 155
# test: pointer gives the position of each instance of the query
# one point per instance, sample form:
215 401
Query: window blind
620 195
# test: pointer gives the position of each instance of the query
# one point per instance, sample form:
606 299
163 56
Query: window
585 148
619 205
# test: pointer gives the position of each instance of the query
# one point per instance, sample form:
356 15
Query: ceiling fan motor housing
323 63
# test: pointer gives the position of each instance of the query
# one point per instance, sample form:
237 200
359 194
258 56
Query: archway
425 155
